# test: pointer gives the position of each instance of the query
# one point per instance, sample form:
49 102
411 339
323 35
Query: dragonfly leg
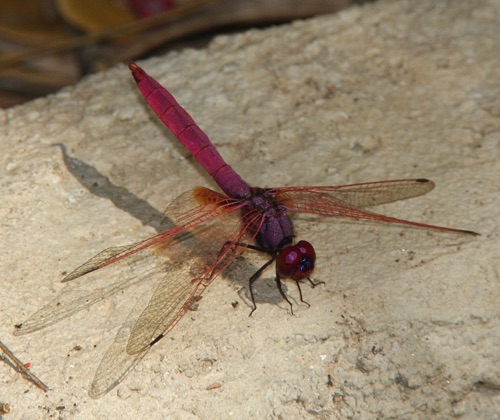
314 283
282 293
255 276
300 293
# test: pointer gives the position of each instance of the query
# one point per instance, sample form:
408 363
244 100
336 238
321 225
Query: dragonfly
210 230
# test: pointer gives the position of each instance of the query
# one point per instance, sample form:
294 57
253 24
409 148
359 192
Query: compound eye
307 249
296 261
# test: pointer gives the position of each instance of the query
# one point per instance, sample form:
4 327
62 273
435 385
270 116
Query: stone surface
407 324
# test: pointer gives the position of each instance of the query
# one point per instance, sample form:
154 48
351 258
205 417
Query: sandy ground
407 324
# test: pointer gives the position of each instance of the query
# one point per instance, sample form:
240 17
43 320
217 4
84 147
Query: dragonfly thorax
276 228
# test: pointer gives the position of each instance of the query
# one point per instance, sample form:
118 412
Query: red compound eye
296 261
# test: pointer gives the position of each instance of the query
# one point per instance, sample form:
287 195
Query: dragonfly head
296 261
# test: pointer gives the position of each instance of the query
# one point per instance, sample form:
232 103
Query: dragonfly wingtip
75 274
471 232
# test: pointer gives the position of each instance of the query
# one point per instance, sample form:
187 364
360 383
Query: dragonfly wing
370 193
209 249
346 201
136 262
323 204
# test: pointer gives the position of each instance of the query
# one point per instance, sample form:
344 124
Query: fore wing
137 262
368 194
348 200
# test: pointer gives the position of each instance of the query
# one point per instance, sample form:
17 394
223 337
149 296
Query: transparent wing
179 264
202 205
348 200
368 194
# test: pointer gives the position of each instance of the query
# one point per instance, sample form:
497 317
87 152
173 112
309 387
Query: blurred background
48 44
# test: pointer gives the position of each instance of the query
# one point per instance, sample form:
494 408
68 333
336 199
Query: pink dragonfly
211 229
